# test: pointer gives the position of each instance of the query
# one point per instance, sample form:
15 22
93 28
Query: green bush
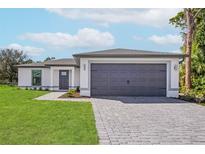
6 82
195 95
71 92
199 83
182 89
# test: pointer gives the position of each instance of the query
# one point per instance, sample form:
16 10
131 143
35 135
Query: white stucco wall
77 76
172 74
24 76
81 76
54 73
55 83
45 77
50 76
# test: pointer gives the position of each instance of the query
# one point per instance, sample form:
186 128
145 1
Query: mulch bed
76 95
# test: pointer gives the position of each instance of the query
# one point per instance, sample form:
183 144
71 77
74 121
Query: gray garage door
128 79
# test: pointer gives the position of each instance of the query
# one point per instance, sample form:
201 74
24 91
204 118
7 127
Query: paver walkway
50 96
150 120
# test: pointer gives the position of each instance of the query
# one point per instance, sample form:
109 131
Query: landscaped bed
66 95
192 98
27 121
72 93
197 96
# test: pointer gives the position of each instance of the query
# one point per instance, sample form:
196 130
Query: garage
128 79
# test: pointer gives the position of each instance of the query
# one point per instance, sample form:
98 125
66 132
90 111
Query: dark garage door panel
128 79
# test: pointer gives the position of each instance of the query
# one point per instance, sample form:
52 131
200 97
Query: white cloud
166 39
149 17
137 38
84 38
31 51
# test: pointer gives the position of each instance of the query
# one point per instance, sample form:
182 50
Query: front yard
27 121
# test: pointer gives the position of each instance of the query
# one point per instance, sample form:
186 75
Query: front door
63 79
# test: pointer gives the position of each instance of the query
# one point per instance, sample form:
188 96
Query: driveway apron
148 120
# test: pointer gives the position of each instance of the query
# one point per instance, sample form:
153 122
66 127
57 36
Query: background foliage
9 58
198 52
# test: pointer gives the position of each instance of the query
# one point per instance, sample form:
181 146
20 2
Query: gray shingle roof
56 62
61 62
127 53
103 53
31 65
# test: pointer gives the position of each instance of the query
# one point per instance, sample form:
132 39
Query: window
36 77
63 73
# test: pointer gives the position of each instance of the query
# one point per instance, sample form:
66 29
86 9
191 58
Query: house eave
47 66
32 66
129 56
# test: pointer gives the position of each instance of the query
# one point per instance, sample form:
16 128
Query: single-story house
114 72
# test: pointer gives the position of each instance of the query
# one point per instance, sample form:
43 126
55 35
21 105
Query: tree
188 21
189 36
9 58
49 58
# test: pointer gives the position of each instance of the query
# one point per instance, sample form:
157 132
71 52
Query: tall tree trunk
190 27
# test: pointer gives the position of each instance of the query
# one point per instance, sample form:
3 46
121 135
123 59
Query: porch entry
63 79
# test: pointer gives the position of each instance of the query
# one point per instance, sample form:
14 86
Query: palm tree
188 46
190 20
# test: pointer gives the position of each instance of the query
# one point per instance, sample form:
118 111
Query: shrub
71 92
40 88
34 88
199 83
195 95
26 88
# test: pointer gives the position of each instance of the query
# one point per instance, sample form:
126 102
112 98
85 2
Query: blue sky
63 32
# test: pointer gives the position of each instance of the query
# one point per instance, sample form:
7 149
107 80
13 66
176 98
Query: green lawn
27 121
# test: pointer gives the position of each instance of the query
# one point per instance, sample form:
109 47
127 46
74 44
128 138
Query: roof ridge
59 59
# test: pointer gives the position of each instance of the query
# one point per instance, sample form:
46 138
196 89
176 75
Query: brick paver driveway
137 120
